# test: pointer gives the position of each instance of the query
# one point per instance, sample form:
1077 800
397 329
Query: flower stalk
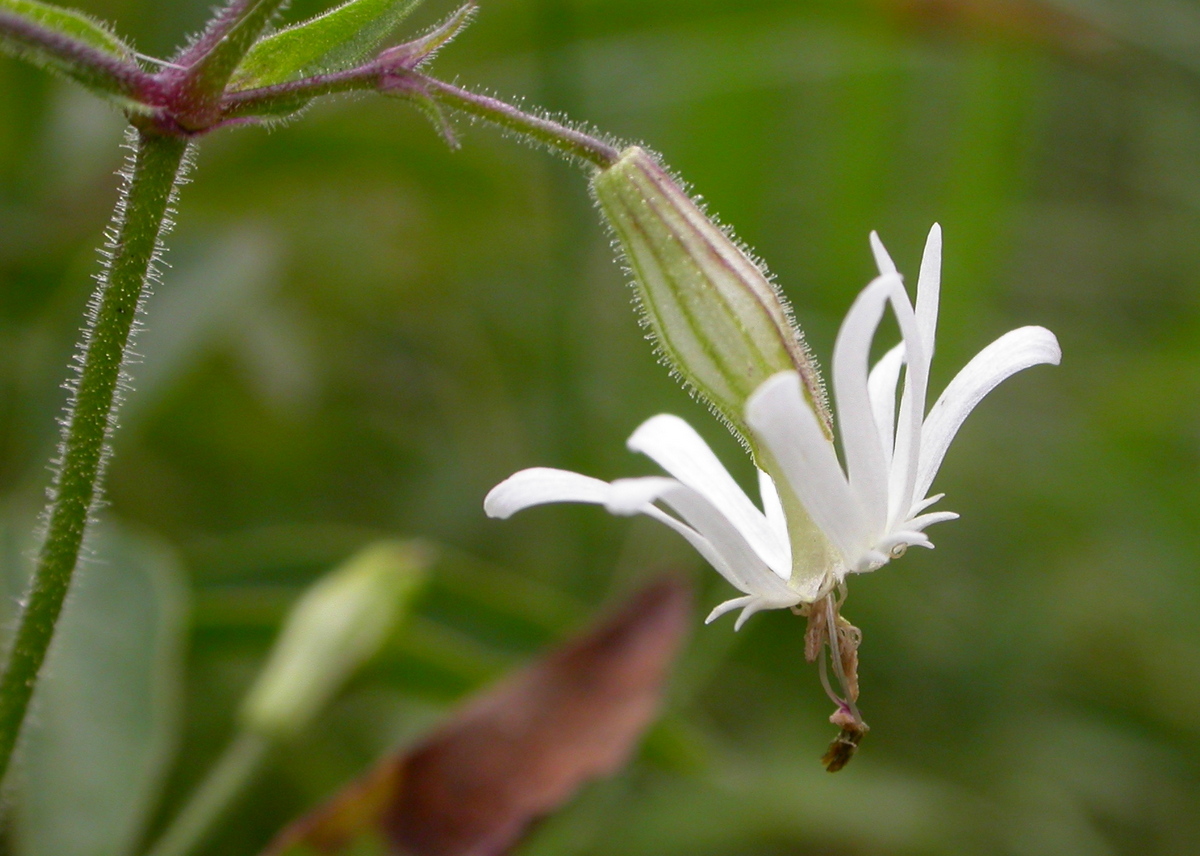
134 245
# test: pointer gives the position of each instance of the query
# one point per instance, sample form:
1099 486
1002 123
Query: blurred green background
362 331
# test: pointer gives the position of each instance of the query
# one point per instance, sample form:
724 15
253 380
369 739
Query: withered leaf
514 753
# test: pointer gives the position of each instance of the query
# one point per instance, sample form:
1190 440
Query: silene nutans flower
821 517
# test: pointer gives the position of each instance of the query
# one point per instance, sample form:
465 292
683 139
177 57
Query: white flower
819 520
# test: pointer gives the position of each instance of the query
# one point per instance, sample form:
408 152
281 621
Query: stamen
836 657
833 697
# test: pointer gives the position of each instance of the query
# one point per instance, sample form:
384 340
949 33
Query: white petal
928 286
702 545
783 422
1012 352
881 385
918 507
903 474
677 448
627 497
919 522
756 605
539 486
883 261
865 460
728 606
742 565
773 508
713 536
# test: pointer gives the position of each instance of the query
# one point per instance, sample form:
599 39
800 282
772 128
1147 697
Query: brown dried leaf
815 632
849 638
516 752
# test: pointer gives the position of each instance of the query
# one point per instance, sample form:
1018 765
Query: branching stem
286 96
138 225
568 140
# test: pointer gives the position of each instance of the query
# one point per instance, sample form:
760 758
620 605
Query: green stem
568 140
140 220
290 96
225 782
94 68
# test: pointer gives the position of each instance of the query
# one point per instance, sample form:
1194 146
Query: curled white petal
922 520
541 485
728 606
1014 351
757 605
627 497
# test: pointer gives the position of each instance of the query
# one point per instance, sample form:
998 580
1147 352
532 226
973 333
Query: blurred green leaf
329 42
335 627
106 713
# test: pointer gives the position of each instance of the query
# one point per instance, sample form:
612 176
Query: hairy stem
290 96
212 60
90 66
140 220
567 140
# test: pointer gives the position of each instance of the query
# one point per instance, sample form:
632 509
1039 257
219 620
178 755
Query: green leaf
75 45
106 711
330 42
71 24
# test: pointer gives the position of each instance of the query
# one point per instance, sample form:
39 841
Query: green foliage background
363 331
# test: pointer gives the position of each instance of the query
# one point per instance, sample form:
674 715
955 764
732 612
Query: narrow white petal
865 460
757 605
905 537
773 508
919 522
728 606
784 423
1012 352
701 544
928 287
883 261
903 474
918 507
743 566
541 485
627 497
677 448
881 384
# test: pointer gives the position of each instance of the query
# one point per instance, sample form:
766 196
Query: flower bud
715 315
336 626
